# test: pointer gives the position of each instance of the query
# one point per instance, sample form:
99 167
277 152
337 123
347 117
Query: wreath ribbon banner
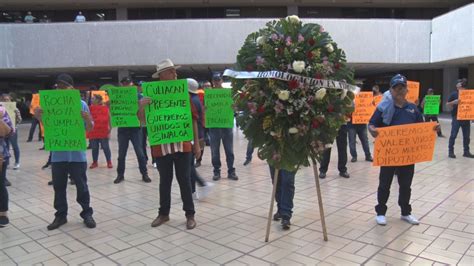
318 83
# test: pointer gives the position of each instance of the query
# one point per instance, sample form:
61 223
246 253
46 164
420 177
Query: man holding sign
430 105
68 156
465 125
171 122
401 112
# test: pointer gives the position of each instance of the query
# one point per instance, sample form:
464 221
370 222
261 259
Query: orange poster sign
377 100
105 96
35 103
413 91
364 108
466 105
405 144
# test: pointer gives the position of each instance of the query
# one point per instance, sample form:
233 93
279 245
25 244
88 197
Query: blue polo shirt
71 156
407 114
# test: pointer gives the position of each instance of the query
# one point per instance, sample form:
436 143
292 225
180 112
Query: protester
80 17
13 138
465 125
361 131
341 142
145 133
205 85
227 137
173 154
29 18
6 129
134 135
100 137
395 110
431 117
73 163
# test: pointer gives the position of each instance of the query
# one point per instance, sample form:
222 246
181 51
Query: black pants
195 176
3 187
77 172
181 162
34 123
341 142
405 177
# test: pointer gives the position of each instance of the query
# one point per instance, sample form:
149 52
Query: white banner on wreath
318 83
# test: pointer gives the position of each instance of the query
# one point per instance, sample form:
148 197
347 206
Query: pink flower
278 107
288 41
259 61
300 38
274 37
276 157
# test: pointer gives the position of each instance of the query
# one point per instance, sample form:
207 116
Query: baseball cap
398 79
65 79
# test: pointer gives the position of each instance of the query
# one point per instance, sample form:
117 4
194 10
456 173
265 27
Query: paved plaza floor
231 220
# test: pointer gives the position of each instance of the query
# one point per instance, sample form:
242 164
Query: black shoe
58 221
285 223
233 176
452 155
119 179
4 221
216 177
29 140
7 183
197 164
41 149
247 162
146 178
50 183
276 217
45 166
322 175
369 159
468 155
353 160
344 174
89 222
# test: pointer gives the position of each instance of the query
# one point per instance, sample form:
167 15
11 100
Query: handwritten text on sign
466 105
123 106
431 106
219 112
413 91
168 117
64 128
364 108
101 117
405 144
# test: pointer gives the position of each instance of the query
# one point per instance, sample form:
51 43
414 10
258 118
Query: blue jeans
361 131
341 142
227 137
250 150
285 191
77 172
104 143
13 140
3 187
135 136
465 126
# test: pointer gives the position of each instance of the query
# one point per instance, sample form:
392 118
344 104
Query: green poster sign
168 117
123 106
64 128
432 105
219 112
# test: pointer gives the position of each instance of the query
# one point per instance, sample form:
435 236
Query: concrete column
292 10
122 73
121 13
450 75
470 76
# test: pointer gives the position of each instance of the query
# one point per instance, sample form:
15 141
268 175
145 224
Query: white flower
343 94
298 66
293 130
293 19
284 95
328 146
329 47
320 94
273 133
260 40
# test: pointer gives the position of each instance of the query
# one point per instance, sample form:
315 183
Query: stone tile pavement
231 221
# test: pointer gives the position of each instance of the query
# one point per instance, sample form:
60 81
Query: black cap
65 79
216 76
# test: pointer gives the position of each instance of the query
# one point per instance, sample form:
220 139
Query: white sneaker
154 165
195 196
410 219
381 220
16 167
205 190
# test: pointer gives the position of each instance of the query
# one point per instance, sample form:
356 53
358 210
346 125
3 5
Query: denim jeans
34 123
3 187
77 172
195 176
405 178
465 126
285 191
250 150
104 143
227 137
13 140
181 163
361 131
341 142
133 134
